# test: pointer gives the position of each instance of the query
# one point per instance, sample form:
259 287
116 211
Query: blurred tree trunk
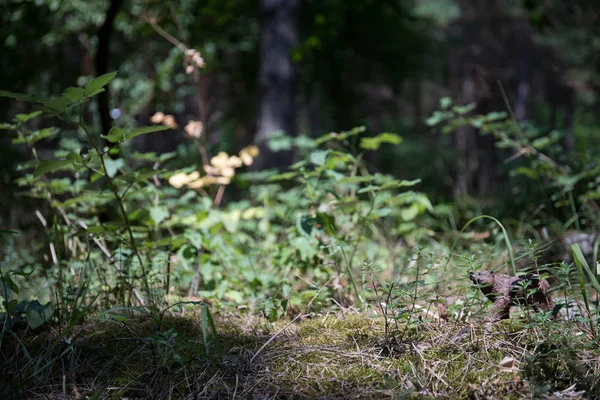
569 140
465 142
417 94
277 77
523 76
102 61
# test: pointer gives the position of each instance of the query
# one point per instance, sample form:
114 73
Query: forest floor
342 355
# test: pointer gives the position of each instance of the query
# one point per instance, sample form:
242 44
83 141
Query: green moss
331 356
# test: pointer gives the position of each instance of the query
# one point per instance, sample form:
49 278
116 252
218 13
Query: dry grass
342 355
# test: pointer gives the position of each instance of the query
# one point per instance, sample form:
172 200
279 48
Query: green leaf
279 141
96 85
98 229
57 105
7 286
304 142
304 246
206 322
436 118
167 156
74 94
195 238
318 157
36 136
461 110
38 314
286 289
9 232
327 223
22 118
410 213
304 224
112 166
399 184
529 172
145 130
115 135
50 166
581 262
19 96
282 177
495 116
374 142
159 214
341 136
445 103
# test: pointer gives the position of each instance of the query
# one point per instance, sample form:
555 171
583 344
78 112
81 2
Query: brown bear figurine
505 291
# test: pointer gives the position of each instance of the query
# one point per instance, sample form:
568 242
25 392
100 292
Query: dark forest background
181 179
311 67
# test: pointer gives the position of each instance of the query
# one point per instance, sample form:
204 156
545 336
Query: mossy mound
344 355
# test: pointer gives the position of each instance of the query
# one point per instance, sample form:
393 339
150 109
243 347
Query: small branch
274 336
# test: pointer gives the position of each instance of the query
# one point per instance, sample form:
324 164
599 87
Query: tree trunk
277 77
523 73
101 61
465 142
569 140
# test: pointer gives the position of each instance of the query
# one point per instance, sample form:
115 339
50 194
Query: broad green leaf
195 238
38 314
74 94
7 286
96 229
279 141
410 213
112 166
235 295
399 184
115 135
436 118
318 157
26 117
327 223
159 214
445 103
339 136
282 177
19 96
461 110
304 246
140 176
304 142
96 85
286 289
529 172
145 130
36 136
57 105
369 189
50 166
167 156
374 142
336 176
304 224
495 116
